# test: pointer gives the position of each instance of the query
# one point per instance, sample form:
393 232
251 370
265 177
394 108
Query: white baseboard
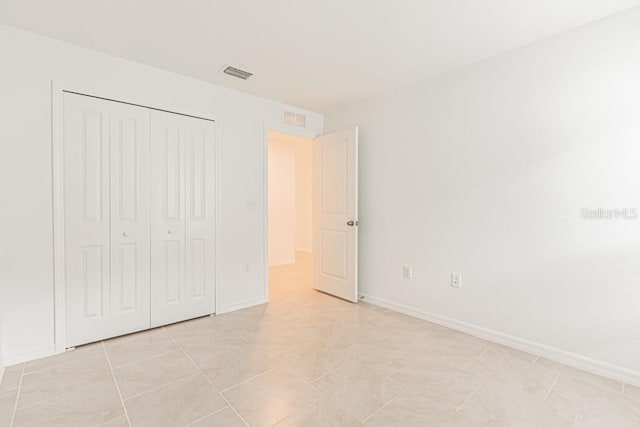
306 250
1 372
243 304
276 263
577 361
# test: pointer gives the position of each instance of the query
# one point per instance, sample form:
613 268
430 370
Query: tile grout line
475 359
60 365
161 386
535 360
546 396
382 407
388 376
229 405
126 365
330 372
392 373
299 410
243 381
50 398
115 381
208 380
354 360
15 405
307 383
206 416
459 408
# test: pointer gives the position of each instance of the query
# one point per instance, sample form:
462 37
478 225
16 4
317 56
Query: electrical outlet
407 273
456 280
252 205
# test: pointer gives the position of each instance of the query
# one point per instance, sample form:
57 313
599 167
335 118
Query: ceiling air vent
236 72
295 119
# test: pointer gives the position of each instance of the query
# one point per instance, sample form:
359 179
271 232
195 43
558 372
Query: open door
335 214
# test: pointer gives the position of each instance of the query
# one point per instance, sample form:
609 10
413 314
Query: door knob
125 234
169 232
350 223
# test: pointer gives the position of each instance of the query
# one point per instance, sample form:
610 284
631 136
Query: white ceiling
310 53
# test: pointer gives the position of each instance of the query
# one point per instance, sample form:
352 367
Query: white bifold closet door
182 218
106 216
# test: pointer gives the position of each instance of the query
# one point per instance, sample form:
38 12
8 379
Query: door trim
281 128
58 88
138 105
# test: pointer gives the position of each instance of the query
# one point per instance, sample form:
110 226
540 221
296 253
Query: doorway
324 183
290 161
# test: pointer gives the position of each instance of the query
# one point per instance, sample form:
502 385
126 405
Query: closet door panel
86 218
139 203
130 228
200 219
168 242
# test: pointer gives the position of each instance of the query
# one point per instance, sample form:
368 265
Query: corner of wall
243 304
2 363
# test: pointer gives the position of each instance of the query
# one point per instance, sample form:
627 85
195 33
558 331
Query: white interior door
335 214
106 191
183 222
86 218
168 226
200 218
130 234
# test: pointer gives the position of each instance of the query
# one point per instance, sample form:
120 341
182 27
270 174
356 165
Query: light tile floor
307 359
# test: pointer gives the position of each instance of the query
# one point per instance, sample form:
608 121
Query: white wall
29 64
282 203
484 171
304 200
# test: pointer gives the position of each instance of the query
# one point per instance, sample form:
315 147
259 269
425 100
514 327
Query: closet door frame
96 89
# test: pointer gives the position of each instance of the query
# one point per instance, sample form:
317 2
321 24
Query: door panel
125 282
170 287
334 254
197 269
168 224
86 217
93 282
335 172
130 234
200 224
173 158
335 214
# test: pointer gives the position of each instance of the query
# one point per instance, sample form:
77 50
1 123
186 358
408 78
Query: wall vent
236 72
295 119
